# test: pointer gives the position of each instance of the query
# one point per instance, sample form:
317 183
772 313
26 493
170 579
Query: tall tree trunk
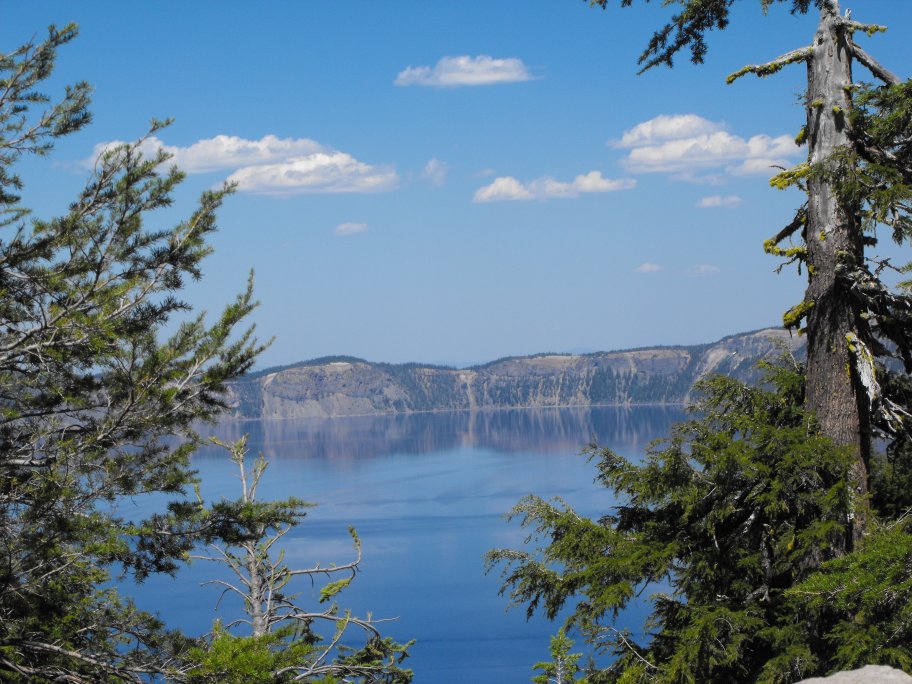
833 242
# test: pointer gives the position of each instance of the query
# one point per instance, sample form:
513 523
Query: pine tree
89 391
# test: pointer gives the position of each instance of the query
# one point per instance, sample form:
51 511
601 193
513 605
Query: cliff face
349 387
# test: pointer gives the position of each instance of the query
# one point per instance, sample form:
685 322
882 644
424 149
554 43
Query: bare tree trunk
257 586
833 242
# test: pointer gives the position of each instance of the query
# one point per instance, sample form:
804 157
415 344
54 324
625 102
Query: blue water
427 494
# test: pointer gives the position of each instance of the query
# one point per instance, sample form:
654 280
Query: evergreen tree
88 391
91 398
858 177
749 515
562 668
721 522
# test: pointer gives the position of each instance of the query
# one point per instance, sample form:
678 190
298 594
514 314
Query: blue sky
455 182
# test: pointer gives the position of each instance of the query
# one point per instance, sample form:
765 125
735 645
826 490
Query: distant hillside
346 386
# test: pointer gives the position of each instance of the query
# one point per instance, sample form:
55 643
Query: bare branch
262 579
632 648
874 66
797 223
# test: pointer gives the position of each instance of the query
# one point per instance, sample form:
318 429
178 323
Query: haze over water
426 493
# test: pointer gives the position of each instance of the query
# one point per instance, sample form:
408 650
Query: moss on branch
791 176
770 68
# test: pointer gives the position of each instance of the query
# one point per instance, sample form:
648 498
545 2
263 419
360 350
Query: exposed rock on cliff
347 386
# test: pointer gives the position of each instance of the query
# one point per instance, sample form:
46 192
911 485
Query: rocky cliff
345 386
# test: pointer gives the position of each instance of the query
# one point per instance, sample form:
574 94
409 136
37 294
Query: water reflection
552 430
427 494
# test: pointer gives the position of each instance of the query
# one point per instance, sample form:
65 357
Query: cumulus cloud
502 189
349 228
224 151
454 72
703 269
508 188
667 127
759 166
728 201
322 172
435 172
648 267
272 165
685 143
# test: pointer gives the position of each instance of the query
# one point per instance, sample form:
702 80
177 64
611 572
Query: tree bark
834 243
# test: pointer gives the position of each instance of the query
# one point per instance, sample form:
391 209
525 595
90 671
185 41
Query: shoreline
485 409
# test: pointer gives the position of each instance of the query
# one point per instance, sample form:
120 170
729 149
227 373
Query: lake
427 494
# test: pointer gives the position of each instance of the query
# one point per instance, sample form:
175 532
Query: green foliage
867 598
875 175
20 72
562 668
282 644
92 391
726 516
277 657
794 316
786 179
820 608
364 662
688 28
245 660
330 590
882 118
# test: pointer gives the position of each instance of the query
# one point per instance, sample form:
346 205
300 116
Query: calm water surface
426 493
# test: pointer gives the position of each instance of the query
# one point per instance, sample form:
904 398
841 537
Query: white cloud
685 143
706 151
225 151
758 167
508 188
649 267
435 172
322 172
453 72
703 269
728 201
502 189
349 228
667 127
593 182
272 165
